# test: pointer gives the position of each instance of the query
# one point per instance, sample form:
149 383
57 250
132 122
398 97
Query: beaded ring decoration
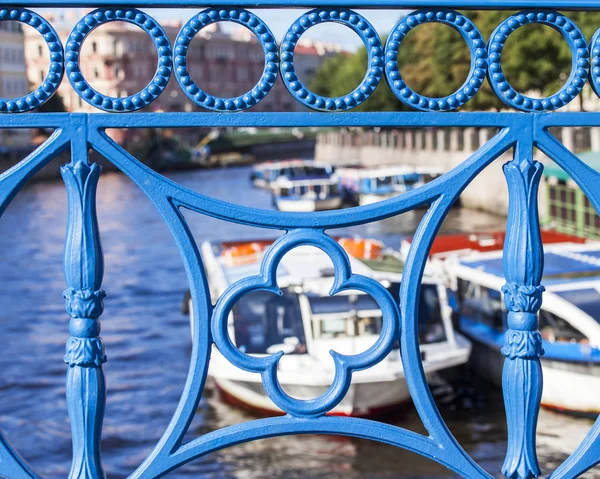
479 60
579 71
372 43
133 102
53 78
595 63
266 39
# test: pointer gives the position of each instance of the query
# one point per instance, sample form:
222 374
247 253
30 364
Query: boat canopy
571 305
561 264
587 299
341 303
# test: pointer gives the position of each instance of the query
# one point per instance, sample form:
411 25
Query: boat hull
363 400
260 183
369 199
374 391
308 206
570 387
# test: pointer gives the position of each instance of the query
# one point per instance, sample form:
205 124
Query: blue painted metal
567 5
84 268
523 267
523 258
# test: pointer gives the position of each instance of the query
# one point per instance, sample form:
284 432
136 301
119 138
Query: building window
96 72
94 47
42 76
40 51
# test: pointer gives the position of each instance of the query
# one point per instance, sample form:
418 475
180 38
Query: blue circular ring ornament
256 26
595 63
579 70
130 15
367 34
50 85
479 60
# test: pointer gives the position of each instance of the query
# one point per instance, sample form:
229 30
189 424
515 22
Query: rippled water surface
148 346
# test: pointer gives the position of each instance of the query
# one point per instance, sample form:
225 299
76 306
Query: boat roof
466 243
564 264
278 164
306 180
383 171
305 265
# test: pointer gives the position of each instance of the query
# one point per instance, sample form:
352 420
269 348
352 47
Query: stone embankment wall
440 148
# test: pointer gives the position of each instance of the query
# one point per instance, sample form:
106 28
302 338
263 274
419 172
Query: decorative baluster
523 266
84 268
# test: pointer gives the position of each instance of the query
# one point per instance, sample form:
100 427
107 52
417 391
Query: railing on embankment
521 131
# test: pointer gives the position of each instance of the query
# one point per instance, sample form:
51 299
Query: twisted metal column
523 266
84 268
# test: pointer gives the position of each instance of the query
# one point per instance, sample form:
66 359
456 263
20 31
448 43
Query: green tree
342 73
435 61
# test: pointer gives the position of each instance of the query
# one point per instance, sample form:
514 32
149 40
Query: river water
148 346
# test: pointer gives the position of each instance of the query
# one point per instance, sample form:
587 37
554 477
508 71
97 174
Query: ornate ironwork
522 131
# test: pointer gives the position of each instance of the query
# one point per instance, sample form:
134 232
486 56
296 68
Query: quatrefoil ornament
345 365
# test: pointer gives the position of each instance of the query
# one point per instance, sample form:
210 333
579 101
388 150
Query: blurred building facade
120 60
13 78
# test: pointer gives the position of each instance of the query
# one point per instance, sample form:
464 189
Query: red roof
491 241
306 50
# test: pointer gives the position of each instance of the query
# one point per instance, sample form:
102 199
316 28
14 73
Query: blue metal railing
520 131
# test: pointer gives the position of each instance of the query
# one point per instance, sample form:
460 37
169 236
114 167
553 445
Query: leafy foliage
435 61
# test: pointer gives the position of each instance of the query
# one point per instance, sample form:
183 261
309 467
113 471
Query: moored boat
266 174
307 195
363 186
306 323
569 319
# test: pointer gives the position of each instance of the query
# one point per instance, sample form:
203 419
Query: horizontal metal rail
360 4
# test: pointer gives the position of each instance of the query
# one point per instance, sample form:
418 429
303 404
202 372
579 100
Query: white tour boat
307 323
569 320
264 175
363 186
307 194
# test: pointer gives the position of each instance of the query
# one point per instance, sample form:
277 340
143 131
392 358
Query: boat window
412 179
263 319
431 325
355 315
556 329
586 299
482 304
341 303
383 181
284 192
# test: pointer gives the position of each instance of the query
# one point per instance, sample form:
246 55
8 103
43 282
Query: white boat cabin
306 323
265 174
